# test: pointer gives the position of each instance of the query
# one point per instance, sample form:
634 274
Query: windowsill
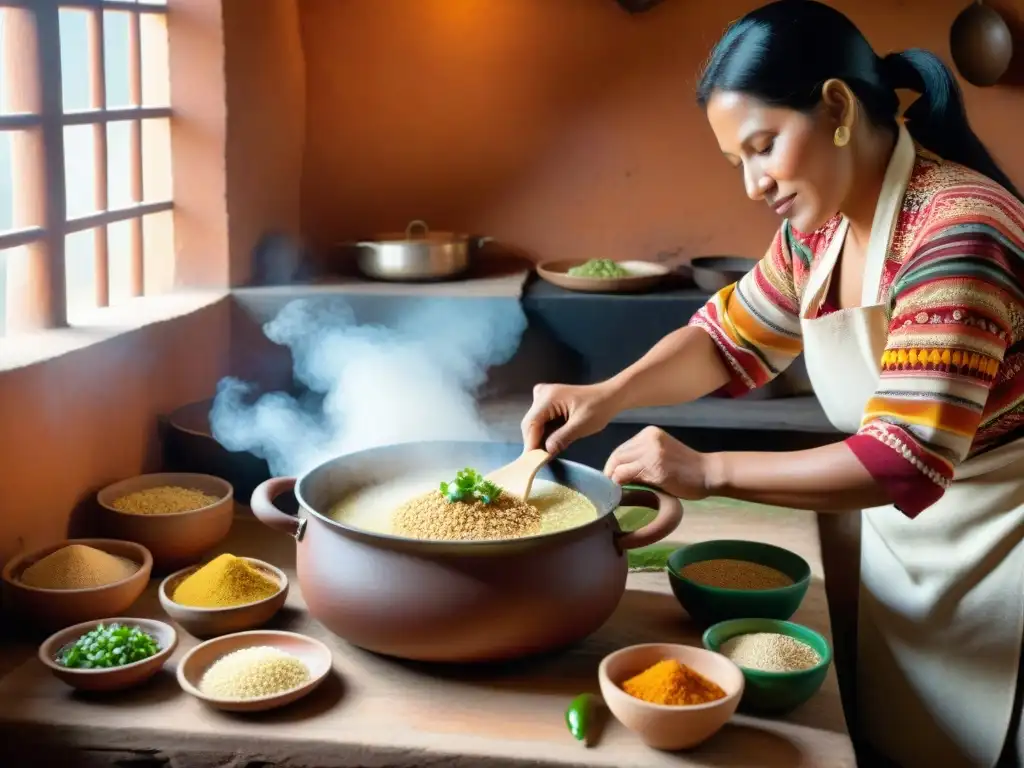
21 350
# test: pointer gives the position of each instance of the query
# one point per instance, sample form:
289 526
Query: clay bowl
211 622
114 678
51 609
176 540
667 727
193 666
644 276
427 594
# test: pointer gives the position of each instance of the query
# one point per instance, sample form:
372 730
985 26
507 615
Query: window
85 172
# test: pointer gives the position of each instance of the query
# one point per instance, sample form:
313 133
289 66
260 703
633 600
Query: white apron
941 611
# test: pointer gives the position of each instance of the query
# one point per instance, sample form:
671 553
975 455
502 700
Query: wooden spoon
517 476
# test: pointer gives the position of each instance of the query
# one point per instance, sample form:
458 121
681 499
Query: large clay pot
458 601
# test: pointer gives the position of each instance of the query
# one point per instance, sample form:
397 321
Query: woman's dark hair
784 52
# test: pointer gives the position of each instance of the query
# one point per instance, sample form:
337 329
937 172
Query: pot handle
418 224
670 514
262 504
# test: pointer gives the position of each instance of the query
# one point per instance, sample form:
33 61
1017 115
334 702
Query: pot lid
419 233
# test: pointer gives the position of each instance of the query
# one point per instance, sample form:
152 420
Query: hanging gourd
981 44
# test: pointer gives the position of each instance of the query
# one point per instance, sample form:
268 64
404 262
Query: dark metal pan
713 273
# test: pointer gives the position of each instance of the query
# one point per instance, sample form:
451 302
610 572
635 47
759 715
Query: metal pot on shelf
417 254
461 601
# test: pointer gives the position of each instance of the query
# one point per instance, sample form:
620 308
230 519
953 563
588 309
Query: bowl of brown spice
672 696
733 578
228 594
77 580
178 516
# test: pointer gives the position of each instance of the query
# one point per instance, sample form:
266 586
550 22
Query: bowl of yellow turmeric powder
672 696
178 516
228 594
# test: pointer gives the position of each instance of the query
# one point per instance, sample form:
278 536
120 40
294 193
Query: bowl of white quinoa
178 516
783 663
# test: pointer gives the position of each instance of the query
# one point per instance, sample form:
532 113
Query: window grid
32 107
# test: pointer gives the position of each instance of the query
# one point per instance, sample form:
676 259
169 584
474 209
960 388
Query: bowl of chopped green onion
603 275
109 655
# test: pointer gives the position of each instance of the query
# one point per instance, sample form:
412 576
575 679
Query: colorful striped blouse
951 383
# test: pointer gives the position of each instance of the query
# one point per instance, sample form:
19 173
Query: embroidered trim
902 448
909 316
953 361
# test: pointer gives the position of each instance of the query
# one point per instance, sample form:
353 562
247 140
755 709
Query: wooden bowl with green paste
226 595
603 275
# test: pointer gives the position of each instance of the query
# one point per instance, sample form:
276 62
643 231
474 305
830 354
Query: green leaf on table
651 558
634 518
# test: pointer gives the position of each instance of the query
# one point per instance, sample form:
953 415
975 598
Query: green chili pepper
578 716
110 645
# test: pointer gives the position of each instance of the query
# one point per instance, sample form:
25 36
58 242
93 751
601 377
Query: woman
897 272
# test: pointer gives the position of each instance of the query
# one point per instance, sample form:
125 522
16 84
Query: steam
369 385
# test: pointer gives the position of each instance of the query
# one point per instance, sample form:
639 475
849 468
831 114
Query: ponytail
784 52
938 120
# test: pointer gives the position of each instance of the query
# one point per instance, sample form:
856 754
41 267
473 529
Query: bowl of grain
784 663
254 671
77 580
178 516
228 594
732 579
672 696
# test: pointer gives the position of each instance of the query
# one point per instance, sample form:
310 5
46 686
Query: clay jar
458 601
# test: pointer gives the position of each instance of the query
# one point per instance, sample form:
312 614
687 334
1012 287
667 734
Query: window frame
37 295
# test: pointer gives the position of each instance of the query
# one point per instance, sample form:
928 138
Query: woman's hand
653 457
585 409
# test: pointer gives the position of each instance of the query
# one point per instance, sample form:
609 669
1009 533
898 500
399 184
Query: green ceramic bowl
710 605
774 692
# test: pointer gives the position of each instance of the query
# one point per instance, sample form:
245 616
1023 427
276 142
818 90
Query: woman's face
788 158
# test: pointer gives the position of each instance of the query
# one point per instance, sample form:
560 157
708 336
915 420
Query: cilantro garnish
470 485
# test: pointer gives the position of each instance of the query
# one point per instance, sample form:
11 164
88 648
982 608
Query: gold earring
842 136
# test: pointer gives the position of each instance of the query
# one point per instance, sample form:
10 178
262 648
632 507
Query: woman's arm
683 366
745 336
826 479
950 328
951 324
742 338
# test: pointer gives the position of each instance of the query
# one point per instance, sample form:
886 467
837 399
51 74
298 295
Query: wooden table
380 712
